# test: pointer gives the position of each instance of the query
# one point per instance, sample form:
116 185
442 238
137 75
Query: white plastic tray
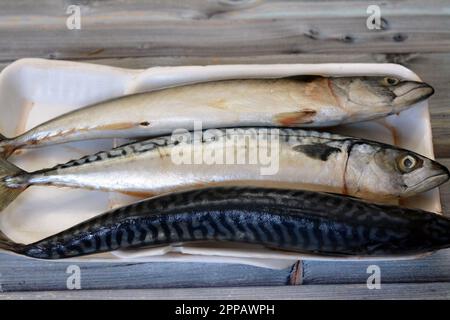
35 90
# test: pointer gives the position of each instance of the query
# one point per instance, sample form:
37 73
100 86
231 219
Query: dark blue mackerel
301 221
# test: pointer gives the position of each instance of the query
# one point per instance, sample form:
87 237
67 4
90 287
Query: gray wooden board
435 267
436 290
228 28
22 274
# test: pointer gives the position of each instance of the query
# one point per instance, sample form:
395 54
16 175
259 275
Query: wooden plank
22 274
433 268
421 291
220 28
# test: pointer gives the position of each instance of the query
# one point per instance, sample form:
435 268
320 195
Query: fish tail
8 193
6 147
9 245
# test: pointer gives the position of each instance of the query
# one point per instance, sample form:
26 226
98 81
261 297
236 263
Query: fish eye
391 81
407 163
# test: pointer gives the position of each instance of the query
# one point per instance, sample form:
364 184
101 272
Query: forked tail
8 194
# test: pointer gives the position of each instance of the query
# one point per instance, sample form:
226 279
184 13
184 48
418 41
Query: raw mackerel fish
302 101
273 157
294 220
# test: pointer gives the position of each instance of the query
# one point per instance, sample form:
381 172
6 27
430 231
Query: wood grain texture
419 291
23 274
219 27
138 34
434 268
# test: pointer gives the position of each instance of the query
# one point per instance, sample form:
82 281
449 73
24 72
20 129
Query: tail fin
9 245
7 194
6 148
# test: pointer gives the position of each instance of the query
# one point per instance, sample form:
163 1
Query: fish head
418 173
383 171
379 96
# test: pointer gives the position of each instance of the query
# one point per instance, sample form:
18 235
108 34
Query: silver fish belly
286 158
304 101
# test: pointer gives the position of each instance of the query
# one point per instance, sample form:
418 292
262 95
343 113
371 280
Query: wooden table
132 34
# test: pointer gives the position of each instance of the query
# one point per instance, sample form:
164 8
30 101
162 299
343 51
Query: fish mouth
411 92
428 183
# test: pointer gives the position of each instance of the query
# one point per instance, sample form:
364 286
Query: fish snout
428 177
438 174
440 171
410 92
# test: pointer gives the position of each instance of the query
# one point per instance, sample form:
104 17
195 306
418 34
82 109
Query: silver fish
303 101
299 221
288 158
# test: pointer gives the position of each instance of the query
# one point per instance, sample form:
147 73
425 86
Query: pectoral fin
292 119
317 151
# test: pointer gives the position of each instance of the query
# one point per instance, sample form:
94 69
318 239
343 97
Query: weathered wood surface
433 268
419 291
219 27
22 274
137 34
